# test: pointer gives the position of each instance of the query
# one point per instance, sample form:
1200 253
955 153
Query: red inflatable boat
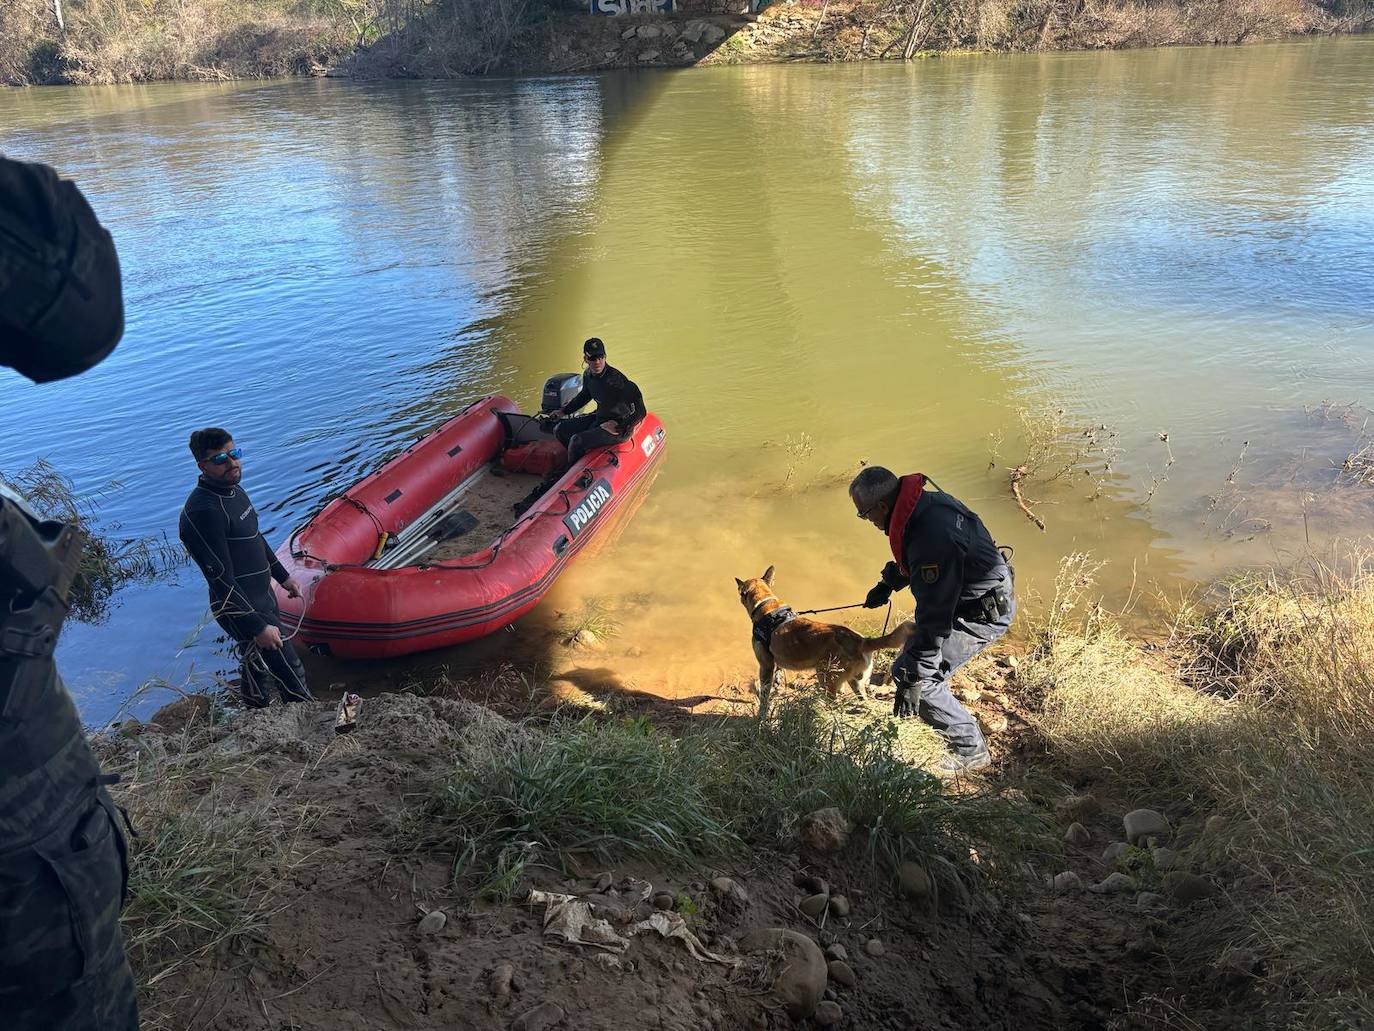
427 552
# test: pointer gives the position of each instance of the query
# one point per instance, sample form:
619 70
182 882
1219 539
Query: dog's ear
767 576
739 583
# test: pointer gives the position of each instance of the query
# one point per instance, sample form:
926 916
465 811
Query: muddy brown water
803 267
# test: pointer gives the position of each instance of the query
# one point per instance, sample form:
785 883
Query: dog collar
760 602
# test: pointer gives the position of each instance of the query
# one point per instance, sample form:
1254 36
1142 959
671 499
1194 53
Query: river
804 267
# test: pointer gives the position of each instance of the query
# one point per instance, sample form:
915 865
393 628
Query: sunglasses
597 358
224 456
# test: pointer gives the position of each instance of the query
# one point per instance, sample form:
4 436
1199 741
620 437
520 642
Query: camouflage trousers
62 963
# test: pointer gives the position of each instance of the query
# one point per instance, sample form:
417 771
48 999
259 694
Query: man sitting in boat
619 406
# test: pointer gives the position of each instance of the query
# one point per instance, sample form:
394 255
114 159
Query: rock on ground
543 1016
1145 823
1067 883
841 973
1187 888
799 986
1114 884
826 830
1077 807
913 881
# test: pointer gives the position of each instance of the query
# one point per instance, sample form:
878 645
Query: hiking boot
955 764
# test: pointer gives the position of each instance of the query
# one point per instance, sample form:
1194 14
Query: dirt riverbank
1126 864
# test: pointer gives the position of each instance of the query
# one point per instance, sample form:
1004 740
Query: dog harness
763 629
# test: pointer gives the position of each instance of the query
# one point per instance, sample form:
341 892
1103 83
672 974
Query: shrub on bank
1264 718
108 41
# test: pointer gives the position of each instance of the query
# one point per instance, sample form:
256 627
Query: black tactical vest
47 770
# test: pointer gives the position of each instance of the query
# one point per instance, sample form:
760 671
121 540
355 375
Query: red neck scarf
907 495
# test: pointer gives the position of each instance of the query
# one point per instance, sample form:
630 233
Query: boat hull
353 610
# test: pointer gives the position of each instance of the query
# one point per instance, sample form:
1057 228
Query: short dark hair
872 485
210 440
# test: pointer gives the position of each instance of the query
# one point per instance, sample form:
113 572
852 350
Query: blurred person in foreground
63 857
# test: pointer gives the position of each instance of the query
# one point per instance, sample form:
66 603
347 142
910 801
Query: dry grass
912 26
108 41
216 837
595 617
1263 714
109 560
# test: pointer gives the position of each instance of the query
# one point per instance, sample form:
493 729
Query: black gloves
878 597
905 703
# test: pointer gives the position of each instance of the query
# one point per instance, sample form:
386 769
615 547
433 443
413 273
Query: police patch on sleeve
930 573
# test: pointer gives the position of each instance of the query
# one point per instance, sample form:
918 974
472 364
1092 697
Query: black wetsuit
617 400
219 528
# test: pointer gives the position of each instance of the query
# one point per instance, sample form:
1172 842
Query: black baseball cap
594 348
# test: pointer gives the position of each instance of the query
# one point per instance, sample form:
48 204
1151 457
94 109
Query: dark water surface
802 266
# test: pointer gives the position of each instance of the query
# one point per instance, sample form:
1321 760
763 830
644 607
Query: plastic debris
570 918
346 716
672 925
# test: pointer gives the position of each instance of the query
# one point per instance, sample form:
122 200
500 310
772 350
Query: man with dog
619 406
963 590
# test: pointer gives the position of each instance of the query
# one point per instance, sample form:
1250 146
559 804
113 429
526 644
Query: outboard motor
559 390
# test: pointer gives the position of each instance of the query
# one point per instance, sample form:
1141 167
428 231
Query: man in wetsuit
63 860
219 528
619 406
963 591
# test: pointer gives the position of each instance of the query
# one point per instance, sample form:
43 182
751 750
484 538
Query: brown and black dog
836 653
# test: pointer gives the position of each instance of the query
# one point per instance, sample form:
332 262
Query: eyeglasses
863 513
224 456
589 358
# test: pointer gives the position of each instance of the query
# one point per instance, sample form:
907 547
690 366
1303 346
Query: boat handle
560 545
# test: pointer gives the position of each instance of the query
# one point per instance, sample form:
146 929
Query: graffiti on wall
617 7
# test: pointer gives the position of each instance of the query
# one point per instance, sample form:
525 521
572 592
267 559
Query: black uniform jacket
953 562
616 397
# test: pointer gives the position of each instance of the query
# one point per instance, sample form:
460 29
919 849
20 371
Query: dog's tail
899 636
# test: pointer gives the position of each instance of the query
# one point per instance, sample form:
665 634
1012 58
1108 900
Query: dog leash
837 608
